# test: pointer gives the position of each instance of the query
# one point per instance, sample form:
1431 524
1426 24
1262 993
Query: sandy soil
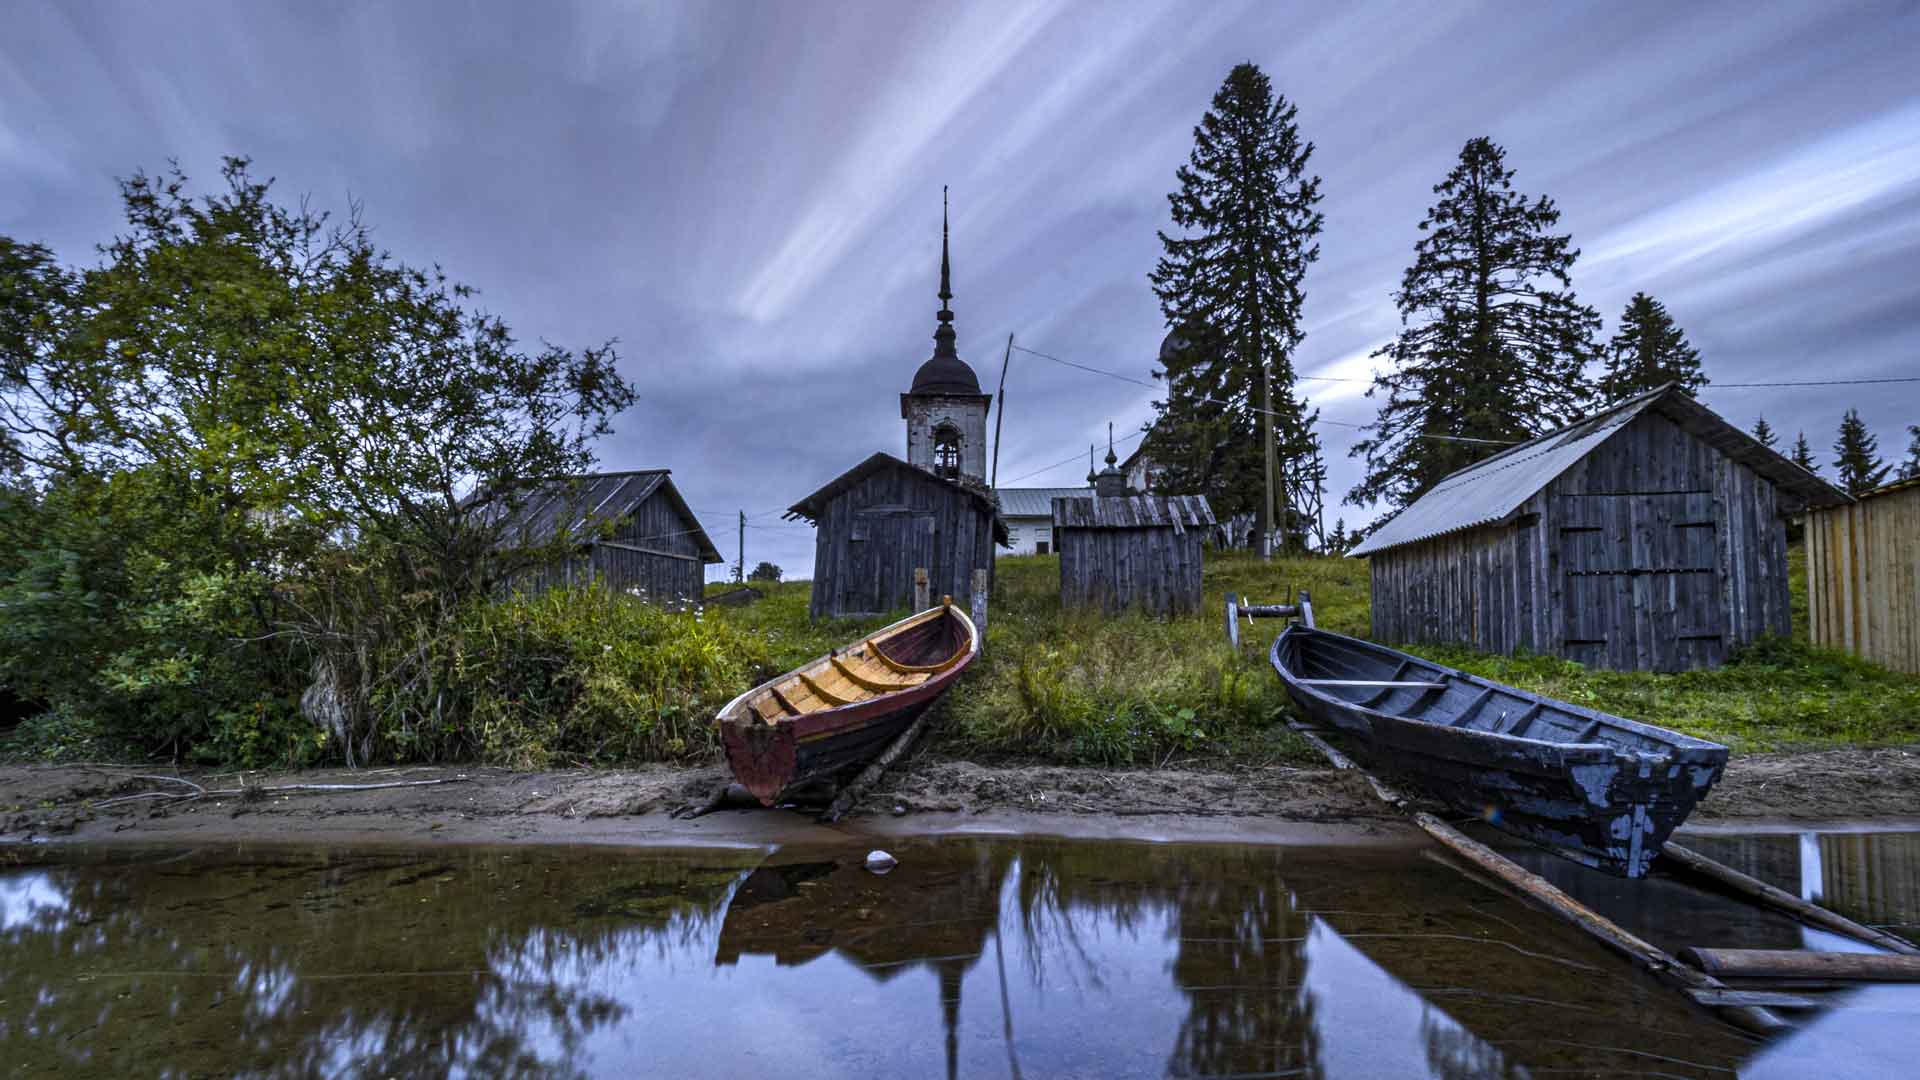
632 806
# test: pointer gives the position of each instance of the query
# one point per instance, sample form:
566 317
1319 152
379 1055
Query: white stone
880 862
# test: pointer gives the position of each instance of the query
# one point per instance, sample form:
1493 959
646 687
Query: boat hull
1609 801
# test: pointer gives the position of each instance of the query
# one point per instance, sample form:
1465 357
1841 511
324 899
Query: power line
1259 412
1712 386
1069 460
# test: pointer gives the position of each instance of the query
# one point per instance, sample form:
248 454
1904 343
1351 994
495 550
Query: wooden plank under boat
1599 789
841 709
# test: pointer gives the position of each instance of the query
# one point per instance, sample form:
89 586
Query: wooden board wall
1863 578
669 571
1655 552
1154 569
871 536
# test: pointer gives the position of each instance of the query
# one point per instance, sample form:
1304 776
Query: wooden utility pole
1001 419
1266 437
740 569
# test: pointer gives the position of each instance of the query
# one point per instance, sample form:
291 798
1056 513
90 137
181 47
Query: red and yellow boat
840 710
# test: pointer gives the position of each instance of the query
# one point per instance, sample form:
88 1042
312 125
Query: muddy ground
1273 803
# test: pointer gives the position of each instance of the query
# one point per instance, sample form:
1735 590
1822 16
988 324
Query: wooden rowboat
841 709
1599 789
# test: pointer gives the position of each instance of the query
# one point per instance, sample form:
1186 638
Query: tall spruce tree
1493 343
1910 468
1803 455
1763 431
1857 456
1649 350
1230 285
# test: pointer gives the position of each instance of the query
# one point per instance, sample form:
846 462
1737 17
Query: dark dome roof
944 373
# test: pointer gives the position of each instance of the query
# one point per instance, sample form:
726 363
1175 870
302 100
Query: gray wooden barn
633 532
1651 537
1127 551
880 520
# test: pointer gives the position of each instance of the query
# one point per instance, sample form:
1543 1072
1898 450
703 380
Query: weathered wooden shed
633 532
1863 576
1126 551
880 520
1651 537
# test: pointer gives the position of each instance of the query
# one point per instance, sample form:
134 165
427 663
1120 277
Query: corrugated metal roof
1084 511
574 502
1035 502
1488 491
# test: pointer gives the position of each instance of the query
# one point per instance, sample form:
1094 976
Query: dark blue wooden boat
1599 789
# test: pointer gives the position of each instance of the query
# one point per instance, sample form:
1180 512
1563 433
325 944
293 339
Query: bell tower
945 411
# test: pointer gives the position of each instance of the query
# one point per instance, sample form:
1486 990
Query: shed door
1640 589
896 541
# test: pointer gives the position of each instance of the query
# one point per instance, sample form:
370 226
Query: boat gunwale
968 652
1681 748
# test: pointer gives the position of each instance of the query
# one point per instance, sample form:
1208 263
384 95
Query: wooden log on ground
1774 999
1803 964
1679 857
1647 956
856 790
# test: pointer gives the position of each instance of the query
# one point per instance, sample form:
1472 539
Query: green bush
573 675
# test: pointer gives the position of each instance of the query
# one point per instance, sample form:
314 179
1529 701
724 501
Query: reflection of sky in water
27 898
1374 1025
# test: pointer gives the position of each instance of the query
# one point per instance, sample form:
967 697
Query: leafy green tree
1764 432
1231 286
307 453
1648 351
1803 454
766 571
1857 456
1493 343
1910 468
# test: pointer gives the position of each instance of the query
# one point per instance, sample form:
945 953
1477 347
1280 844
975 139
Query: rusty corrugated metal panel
1863 577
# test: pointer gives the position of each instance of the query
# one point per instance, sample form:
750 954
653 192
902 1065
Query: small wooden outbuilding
632 531
1863 576
1126 551
1651 537
882 519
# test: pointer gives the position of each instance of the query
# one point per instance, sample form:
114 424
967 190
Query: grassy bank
1076 687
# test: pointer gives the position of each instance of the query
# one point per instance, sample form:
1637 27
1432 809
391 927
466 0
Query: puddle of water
977 957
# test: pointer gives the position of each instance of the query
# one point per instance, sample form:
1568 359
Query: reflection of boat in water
929 914
1600 789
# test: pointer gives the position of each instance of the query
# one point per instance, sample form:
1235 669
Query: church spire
943 334
1111 459
946 273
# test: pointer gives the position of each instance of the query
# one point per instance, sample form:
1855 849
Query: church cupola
945 411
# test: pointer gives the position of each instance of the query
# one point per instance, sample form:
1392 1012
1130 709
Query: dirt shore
632 806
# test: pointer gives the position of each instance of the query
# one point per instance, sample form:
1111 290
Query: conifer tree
1231 287
1493 342
1649 350
1763 431
1803 455
1910 468
1857 456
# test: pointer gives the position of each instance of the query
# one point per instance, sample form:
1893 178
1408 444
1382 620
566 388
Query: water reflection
995 958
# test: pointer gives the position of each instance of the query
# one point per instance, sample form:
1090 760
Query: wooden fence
1863 577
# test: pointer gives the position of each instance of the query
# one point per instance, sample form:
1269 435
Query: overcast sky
748 196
